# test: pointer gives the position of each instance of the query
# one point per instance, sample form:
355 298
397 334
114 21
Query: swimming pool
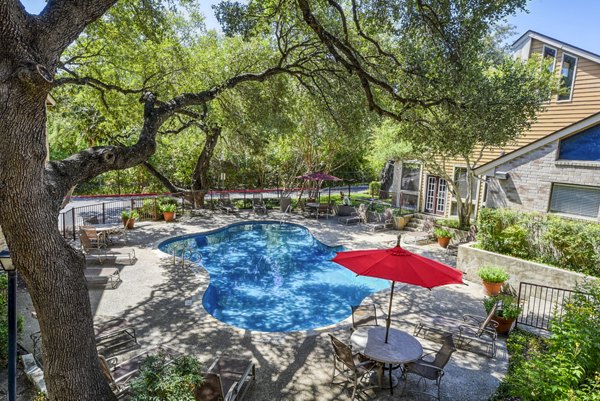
271 277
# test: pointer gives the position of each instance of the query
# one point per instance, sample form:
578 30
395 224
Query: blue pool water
268 277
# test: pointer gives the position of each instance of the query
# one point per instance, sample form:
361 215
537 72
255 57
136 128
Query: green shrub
150 209
452 223
374 188
159 380
509 307
566 366
568 244
492 274
440 232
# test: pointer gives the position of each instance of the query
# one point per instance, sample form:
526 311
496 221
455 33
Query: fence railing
541 304
110 213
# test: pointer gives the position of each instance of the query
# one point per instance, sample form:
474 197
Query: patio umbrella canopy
398 264
319 176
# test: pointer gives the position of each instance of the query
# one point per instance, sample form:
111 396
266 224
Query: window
575 200
410 177
549 53
567 72
582 146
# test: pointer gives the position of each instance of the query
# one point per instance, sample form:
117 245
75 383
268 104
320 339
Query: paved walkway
164 302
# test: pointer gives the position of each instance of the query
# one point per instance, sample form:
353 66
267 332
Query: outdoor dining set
374 350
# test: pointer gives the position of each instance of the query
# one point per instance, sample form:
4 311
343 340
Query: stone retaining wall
470 259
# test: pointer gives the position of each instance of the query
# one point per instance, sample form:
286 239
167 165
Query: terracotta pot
491 288
444 241
128 223
169 216
504 325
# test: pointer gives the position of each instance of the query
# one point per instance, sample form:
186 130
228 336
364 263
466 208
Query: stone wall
470 259
530 179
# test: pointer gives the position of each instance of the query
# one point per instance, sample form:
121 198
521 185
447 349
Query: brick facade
531 175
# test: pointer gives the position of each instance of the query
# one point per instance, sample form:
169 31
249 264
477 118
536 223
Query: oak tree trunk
51 268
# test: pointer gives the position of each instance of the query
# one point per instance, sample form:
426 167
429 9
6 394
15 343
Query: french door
435 198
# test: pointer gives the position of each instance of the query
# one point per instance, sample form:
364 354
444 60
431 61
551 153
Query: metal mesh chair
431 370
364 315
355 368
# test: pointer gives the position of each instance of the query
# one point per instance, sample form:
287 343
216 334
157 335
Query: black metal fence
541 304
148 208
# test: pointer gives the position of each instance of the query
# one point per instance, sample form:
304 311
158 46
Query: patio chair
430 369
258 204
102 276
94 252
224 203
109 334
383 221
355 217
227 380
119 374
470 328
96 240
354 367
363 315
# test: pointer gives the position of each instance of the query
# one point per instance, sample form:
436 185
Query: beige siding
585 101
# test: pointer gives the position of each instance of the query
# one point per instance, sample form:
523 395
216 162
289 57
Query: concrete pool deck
163 300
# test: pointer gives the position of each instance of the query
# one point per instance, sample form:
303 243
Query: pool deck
163 300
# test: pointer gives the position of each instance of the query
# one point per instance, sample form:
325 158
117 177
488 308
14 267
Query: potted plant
493 277
168 211
506 313
443 236
129 217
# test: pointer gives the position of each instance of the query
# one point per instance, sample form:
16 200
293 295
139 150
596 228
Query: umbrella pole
388 320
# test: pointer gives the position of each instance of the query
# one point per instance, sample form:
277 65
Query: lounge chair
114 333
383 221
355 217
118 375
470 328
258 204
102 276
431 370
95 251
227 380
354 367
109 334
224 203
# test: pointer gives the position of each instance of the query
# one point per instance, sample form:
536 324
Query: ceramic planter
169 216
128 223
491 288
504 325
444 241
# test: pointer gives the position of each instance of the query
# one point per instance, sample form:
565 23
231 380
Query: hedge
567 244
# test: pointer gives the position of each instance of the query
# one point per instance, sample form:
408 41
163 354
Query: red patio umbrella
398 264
319 176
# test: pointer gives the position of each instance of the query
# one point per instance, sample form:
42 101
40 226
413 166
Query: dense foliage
564 367
568 244
162 380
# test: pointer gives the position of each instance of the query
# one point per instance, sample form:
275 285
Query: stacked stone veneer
531 175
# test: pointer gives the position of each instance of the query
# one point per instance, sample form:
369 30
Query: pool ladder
286 216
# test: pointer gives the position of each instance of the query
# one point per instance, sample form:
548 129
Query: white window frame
554 58
574 76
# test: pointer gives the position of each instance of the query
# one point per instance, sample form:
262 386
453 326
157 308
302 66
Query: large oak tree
405 55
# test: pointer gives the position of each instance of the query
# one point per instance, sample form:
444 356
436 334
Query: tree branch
61 22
